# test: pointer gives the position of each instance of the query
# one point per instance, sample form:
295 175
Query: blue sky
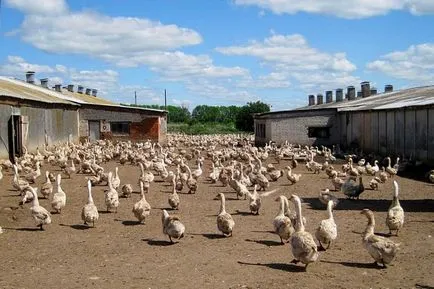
219 52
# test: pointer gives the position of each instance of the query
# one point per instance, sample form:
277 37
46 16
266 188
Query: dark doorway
14 136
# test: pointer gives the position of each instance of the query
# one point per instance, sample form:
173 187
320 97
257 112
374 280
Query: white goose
281 223
172 226
111 196
40 214
225 222
47 187
304 248
89 213
116 181
395 215
174 197
327 230
381 249
142 208
59 198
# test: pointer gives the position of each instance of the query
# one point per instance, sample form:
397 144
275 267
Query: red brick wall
148 128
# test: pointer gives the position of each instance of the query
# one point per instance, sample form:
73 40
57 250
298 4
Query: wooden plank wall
430 130
403 132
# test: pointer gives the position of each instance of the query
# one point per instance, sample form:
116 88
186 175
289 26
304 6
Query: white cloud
17 66
123 41
291 52
416 64
349 9
293 60
47 7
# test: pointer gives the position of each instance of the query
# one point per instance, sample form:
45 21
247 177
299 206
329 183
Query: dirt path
118 253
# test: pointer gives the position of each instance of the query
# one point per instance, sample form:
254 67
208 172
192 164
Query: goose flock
235 163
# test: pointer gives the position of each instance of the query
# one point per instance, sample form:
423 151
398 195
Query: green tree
244 118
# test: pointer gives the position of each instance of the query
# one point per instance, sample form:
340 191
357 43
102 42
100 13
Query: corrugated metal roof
22 90
417 96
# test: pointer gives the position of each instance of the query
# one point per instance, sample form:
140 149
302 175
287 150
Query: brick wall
293 127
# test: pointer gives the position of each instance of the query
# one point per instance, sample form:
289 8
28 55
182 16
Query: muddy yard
119 253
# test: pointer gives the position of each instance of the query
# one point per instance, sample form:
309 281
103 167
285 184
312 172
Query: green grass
202 128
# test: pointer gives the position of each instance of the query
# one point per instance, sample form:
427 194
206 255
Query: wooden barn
390 123
33 115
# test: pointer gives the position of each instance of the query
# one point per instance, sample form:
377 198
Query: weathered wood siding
406 132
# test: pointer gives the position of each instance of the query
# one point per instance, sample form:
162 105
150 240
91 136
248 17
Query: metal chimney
88 91
70 87
388 88
339 94
94 92
373 91
311 99
351 92
319 98
359 94
58 87
30 77
80 89
44 82
366 88
329 96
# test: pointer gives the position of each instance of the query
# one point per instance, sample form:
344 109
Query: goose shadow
287 267
378 205
371 265
271 232
24 229
386 235
104 212
268 243
417 285
210 236
77 226
160 243
243 213
128 222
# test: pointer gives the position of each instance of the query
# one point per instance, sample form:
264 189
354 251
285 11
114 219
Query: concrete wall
144 125
59 124
405 132
293 127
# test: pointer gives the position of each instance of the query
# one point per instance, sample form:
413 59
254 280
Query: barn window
319 132
120 127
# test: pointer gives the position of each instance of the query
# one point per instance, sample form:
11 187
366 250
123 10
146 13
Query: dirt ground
119 253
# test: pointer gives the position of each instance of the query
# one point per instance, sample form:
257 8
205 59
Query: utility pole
165 100
135 98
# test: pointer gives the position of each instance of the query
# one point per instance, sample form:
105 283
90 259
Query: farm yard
119 252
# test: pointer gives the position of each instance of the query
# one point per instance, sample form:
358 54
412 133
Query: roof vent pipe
58 87
351 92
70 87
94 92
311 99
88 91
30 77
44 82
388 88
329 96
319 98
80 89
339 94
366 89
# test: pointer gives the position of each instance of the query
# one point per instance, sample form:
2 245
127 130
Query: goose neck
370 226
223 205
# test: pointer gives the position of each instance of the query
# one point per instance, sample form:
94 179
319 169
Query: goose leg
281 241
170 238
41 228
